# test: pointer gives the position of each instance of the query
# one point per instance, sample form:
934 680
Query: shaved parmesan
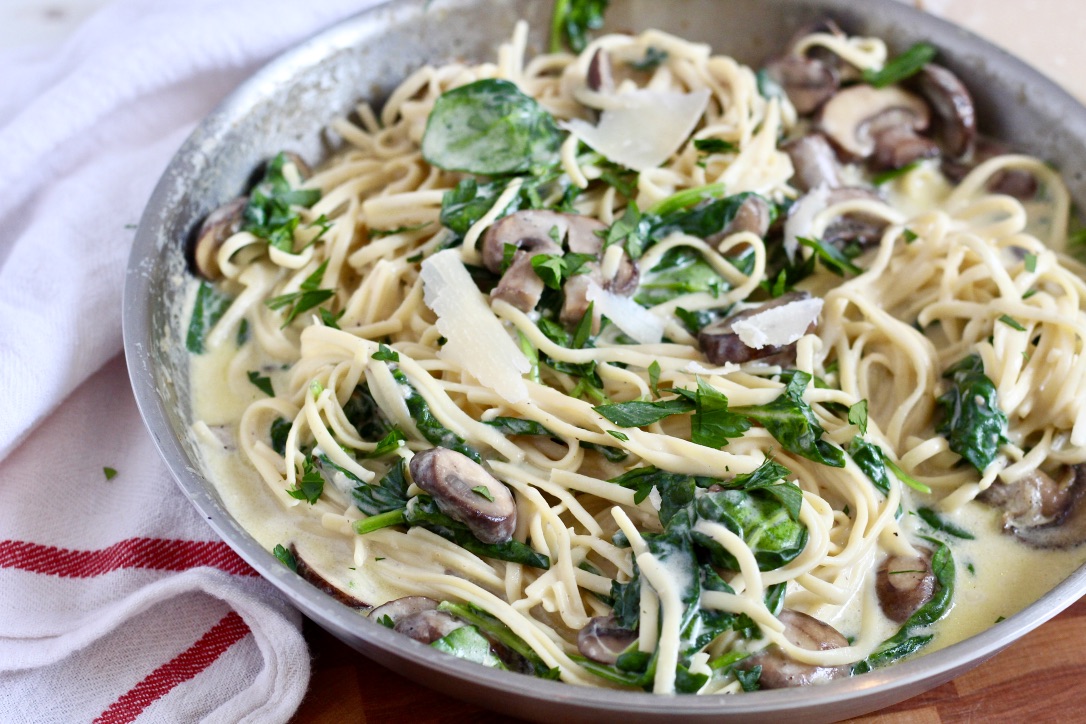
477 341
644 128
634 320
778 326
801 218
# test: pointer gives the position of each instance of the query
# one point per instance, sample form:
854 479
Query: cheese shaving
779 325
477 341
644 128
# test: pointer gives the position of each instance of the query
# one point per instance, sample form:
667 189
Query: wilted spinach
489 127
972 423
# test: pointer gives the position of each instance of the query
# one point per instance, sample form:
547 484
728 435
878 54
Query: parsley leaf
310 486
262 382
308 296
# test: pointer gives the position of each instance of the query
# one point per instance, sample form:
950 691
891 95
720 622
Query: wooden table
1038 679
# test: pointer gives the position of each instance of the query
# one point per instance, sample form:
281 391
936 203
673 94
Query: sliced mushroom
904 584
753 215
428 626
602 639
720 343
807 81
780 671
1043 512
1016 182
955 118
457 484
537 226
600 77
814 162
403 607
220 225
862 118
520 285
309 573
853 228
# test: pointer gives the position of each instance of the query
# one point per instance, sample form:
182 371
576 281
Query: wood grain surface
1038 679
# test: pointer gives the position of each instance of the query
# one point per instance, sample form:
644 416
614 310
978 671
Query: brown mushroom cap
220 225
454 480
600 76
309 573
428 626
720 343
904 584
807 81
955 118
1043 512
814 162
780 671
602 639
403 607
858 228
856 116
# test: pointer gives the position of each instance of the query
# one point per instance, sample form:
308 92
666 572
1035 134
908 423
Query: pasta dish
634 366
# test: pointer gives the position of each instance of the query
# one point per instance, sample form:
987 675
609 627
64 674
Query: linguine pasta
405 345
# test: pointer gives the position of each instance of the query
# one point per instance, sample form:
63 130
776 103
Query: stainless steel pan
288 104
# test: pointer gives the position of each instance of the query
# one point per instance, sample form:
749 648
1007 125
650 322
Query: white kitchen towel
117 602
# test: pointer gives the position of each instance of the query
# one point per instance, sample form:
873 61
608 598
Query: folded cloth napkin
117 602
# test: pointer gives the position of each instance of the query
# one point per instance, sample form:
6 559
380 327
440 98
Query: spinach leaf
423 511
713 424
285 557
914 634
793 424
769 478
467 643
269 213
901 67
362 411
262 382
654 57
973 423
707 219
494 629
428 426
489 127
518 426
613 454
638 413
469 201
831 257
210 305
309 295
681 270
869 458
277 434
310 486
389 494
627 597
935 522
760 519
572 21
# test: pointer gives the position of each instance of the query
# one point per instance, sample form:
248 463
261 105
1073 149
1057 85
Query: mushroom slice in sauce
428 626
955 118
720 343
807 81
220 225
858 228
600 76
861 120
520 285
1041 511
814 162
780 671
1016 182
309 572
904 584
457 484
399 608
602 639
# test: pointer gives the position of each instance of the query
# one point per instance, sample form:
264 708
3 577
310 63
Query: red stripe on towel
227 632
152 553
